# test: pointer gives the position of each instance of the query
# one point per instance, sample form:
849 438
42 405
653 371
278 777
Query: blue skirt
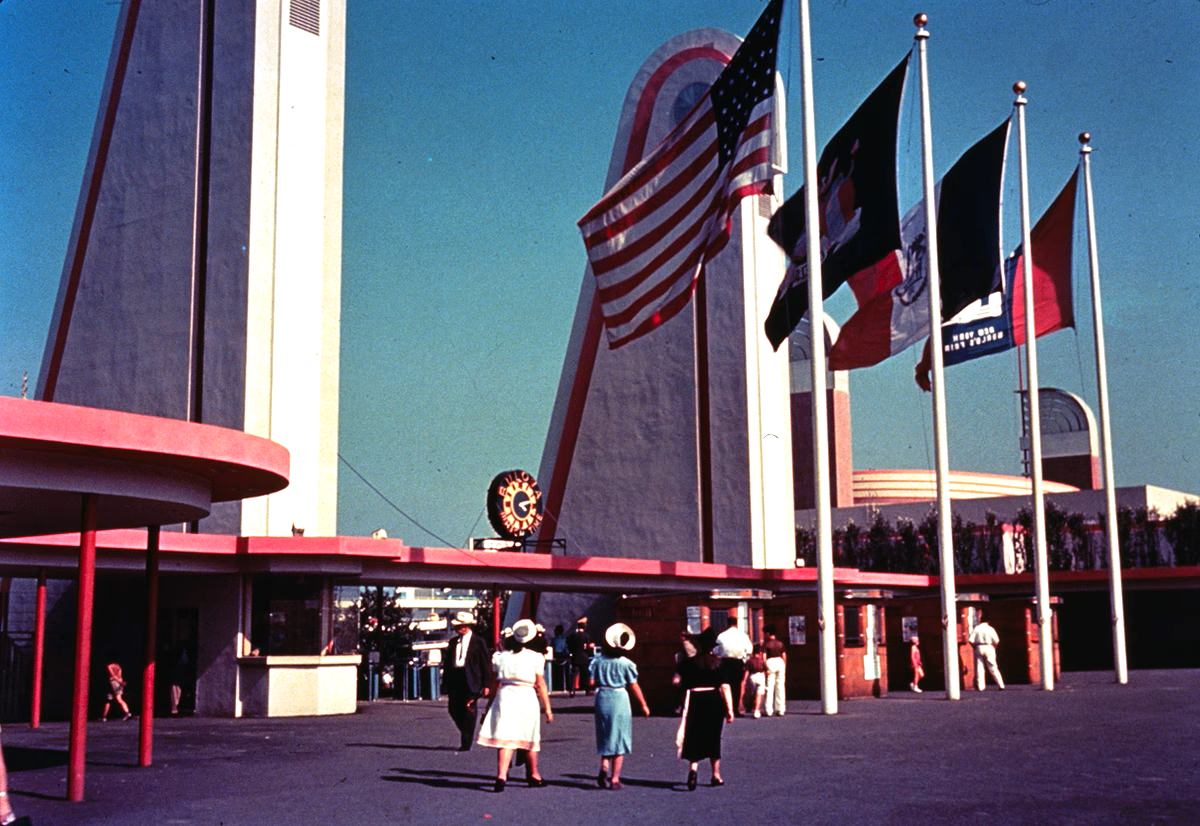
614 722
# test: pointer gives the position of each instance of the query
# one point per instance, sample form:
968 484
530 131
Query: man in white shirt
984 640
466 675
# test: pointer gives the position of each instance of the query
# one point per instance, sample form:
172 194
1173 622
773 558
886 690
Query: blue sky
478 133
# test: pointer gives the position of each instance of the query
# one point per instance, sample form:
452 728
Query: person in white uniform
984 640
776 653
513 720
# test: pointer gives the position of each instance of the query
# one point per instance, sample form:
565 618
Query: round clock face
513 504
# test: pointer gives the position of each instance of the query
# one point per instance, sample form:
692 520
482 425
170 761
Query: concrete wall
216 600
264 289
299 686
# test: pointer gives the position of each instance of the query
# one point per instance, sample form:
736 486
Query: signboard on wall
908 627
797 632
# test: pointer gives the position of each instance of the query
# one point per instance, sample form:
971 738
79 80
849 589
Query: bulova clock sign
514 504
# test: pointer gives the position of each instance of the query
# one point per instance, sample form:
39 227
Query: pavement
1089 752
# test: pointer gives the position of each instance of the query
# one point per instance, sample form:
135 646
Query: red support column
496 620
39 651
77 745
146 719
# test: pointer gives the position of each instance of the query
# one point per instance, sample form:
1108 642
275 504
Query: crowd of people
714 674
716 677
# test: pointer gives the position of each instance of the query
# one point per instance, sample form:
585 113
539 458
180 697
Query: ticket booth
860 617
659 620
922 616
1019 654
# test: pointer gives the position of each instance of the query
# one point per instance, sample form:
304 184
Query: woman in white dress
513 720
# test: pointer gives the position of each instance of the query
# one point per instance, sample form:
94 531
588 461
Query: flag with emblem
893 306
857 203
650 235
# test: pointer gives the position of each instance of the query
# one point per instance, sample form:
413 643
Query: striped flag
648 238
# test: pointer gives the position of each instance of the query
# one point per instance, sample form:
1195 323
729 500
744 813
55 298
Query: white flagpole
1116 598
1045 640
826 639
941 449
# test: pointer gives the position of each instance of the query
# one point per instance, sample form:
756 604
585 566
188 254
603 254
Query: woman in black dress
707 706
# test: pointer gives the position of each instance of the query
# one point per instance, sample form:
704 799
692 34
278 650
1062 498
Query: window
285 614
852 625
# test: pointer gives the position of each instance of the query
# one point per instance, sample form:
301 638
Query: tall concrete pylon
621 469
202 278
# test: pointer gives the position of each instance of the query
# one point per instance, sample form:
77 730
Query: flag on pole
893 309
860 217
997 322
650 235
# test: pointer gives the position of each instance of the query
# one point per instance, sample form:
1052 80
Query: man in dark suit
466 675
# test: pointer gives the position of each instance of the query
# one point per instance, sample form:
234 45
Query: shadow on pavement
25 758
439 779
590 782
406 746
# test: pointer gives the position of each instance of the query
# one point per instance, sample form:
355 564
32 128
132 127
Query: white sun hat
524 630
620 636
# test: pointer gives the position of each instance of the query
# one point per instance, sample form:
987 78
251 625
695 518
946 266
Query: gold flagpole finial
1019 90
919 20
1085 142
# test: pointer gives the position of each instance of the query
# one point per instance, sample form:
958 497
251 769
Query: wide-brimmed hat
524 630
620 636
463 618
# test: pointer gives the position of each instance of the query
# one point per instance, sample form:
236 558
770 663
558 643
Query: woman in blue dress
614 676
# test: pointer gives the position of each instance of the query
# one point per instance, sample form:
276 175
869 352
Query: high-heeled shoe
717 781
691 781
538 783
602 779
499 787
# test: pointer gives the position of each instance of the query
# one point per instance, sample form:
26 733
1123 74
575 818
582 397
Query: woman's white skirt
514 720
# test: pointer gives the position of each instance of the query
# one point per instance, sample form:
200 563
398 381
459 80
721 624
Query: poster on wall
797 633
908 626
693 619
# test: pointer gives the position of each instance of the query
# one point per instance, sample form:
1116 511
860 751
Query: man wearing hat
466 675
579 649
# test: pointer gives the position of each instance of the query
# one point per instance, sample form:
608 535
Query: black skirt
703 725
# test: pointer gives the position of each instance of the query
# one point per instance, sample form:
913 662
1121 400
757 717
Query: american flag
649 236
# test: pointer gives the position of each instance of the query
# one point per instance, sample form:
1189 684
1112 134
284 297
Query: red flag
650 235
1051 239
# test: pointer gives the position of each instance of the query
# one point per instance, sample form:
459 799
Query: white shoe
757 714
916 688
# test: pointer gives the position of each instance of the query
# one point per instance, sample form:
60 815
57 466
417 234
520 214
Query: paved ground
1090 752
